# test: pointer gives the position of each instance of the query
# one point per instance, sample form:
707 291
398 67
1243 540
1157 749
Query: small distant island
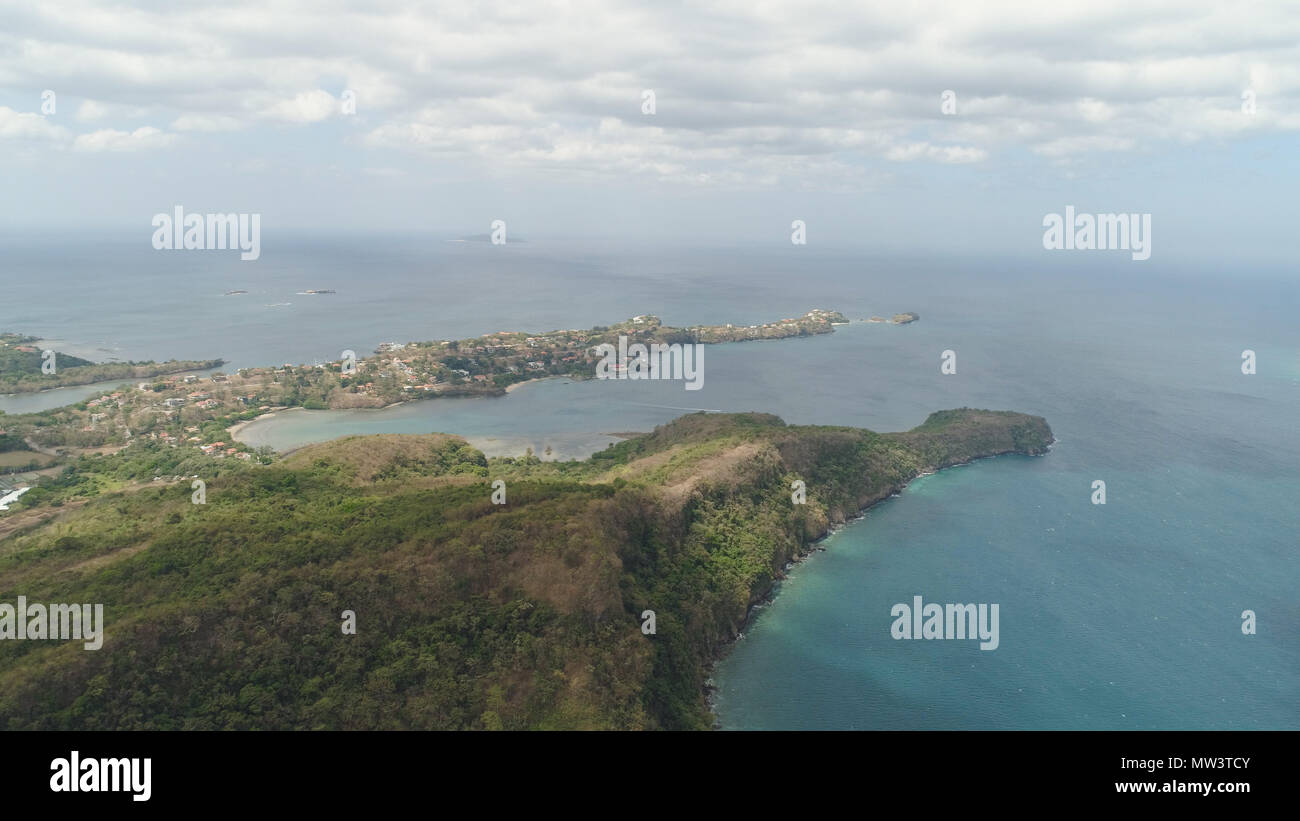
897 319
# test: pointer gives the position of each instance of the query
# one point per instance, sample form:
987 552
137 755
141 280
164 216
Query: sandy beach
238 426
510 388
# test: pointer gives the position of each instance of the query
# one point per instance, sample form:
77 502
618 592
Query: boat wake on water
674 407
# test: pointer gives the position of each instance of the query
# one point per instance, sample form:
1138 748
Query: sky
937 127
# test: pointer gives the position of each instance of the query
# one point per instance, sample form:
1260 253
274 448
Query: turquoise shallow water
1122 616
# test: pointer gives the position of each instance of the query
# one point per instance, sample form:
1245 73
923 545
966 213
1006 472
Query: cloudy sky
764 112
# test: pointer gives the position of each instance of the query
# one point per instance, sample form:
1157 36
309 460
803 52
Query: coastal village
200 411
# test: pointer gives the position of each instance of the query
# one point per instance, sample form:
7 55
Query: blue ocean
1123 615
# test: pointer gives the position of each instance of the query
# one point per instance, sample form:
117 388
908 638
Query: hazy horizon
928 128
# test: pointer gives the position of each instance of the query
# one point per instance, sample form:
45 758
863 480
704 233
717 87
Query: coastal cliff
530 613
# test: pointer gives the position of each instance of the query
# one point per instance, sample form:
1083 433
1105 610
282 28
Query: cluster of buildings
106 400
220 450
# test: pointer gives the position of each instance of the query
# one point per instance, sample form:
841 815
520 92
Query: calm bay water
1125 615
54 398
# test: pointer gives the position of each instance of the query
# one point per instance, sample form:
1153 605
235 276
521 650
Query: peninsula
189 411
24 369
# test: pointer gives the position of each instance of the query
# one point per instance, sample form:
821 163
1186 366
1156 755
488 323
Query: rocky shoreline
816 545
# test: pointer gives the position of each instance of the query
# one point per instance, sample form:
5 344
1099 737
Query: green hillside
469 614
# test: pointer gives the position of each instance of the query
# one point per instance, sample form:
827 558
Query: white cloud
1062 146
951 154
746 93
110 139
22 125
90 111
206 122
307 107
